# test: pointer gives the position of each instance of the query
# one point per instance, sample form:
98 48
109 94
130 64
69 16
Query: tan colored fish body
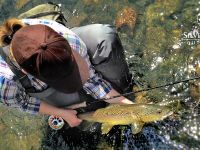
135 114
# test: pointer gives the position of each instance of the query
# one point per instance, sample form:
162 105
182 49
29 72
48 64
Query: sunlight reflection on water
155 57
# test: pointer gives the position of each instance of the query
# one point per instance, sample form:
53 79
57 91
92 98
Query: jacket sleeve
12 95
96 86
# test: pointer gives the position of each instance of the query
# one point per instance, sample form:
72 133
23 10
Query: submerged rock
173 38
20 3
194 89
157 12
91 2
197 69
126 18
77 18
155 42
1 2
189 13
19 131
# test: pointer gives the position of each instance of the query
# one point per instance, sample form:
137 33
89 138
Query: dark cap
45 54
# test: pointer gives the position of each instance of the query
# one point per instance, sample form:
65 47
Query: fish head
153 113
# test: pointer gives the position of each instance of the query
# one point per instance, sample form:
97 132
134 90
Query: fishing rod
146 89
57 123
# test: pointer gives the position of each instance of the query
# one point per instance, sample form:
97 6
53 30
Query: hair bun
7 39
8 29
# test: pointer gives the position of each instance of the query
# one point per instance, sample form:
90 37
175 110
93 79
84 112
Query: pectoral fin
136 127
105 128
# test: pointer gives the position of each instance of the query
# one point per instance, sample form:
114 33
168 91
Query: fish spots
136 114
115 113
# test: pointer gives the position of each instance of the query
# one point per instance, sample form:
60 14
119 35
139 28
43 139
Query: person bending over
59 64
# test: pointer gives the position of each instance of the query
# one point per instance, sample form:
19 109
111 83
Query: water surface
159 50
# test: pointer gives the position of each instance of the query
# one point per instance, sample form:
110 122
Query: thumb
74 112
75 122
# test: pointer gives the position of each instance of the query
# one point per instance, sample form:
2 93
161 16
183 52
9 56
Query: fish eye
159 111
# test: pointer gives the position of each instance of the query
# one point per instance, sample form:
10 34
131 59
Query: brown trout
135 114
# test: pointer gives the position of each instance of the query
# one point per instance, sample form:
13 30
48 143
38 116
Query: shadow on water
154 34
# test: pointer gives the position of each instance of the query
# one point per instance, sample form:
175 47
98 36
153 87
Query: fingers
126 101
71 118
75 122
74 112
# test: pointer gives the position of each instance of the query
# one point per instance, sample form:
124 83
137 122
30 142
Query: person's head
45 54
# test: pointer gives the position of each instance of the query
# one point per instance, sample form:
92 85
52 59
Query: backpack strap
48 10
42 14
61 18
19 75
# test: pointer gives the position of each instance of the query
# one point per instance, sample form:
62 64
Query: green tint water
157 54
20 131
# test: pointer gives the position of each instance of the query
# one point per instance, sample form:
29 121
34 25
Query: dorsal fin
112 106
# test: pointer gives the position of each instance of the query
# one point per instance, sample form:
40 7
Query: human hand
70 117
126 101
117 100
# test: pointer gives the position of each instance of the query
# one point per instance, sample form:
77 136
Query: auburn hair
8 29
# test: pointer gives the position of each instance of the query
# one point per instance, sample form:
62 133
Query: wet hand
70 117
126 101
